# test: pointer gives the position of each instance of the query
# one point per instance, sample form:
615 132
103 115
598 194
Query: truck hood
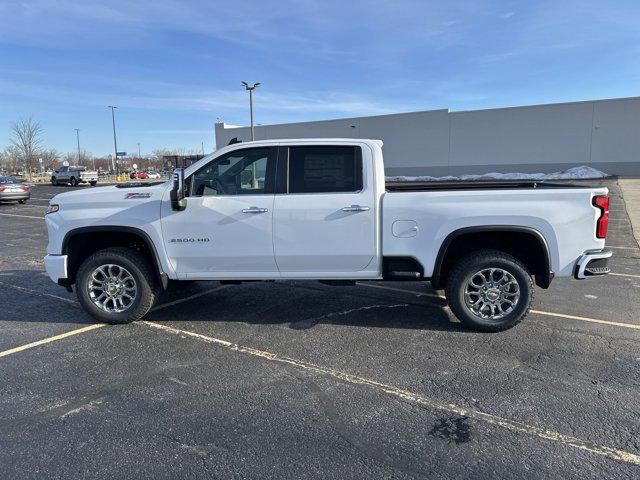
112 195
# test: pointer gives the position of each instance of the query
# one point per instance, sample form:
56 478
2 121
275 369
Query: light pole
114 164
78 138
139 150
250 90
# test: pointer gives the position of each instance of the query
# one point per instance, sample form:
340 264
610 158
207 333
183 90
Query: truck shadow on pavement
304 305
300 305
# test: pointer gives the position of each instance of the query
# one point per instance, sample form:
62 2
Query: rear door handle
254 210
355 208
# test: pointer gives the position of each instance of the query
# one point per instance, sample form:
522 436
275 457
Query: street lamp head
246 85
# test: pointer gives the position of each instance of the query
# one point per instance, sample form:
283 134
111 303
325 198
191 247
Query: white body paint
309 236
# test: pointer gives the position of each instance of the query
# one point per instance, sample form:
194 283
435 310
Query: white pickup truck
73 176
319 209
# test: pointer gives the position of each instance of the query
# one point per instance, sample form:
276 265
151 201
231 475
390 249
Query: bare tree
10 158
27 138
50 157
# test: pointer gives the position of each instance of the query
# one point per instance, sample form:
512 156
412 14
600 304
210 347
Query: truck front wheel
489 291
116 285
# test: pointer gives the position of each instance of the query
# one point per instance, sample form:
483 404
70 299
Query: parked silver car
11 190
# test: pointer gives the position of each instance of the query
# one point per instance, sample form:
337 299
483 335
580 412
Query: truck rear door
324 222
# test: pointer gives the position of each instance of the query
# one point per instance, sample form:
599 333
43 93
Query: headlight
53 208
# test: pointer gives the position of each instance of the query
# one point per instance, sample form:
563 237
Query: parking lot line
51 339
186 299
587 319
35 292
624 275
632 326
496 420
22 216
622 248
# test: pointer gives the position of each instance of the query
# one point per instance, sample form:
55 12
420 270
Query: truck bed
476 185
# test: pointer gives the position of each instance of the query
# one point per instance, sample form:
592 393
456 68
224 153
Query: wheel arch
88 240
469 239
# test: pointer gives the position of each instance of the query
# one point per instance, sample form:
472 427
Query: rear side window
325 169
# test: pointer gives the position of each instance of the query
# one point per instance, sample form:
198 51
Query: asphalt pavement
304 380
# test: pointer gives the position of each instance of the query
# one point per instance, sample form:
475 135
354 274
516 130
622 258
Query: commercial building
604 134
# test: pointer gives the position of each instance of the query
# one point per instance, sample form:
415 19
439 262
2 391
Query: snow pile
575 173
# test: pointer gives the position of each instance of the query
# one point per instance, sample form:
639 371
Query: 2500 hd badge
189 240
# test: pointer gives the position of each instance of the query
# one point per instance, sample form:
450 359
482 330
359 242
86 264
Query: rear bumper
56 267
13 196
593 264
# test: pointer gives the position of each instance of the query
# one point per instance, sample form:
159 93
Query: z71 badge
129 196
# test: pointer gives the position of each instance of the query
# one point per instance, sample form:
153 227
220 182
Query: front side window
325 169
242 172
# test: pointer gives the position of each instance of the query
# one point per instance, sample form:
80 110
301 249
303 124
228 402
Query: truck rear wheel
73 182
489 291
93 183
116 285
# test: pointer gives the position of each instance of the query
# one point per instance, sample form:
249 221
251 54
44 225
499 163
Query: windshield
8 180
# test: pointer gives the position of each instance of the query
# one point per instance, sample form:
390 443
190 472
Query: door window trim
270 175
282 170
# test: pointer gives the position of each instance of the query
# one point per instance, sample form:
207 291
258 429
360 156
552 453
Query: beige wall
602 133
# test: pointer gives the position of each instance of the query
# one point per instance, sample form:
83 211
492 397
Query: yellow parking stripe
51 339
496 420
632 326
623 275
21 216
587 319
186 299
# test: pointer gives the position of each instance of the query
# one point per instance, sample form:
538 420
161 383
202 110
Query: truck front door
226 229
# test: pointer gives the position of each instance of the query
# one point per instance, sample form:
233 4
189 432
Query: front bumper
593 264
56 267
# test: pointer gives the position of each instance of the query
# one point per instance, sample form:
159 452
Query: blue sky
174 67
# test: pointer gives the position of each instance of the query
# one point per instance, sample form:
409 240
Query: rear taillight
602 202
25 187
2 189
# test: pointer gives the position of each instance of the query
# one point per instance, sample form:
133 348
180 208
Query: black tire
73 182
22 201
462 273
54 181
139 268
93 184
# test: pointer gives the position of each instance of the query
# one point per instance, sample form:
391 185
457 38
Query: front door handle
254 210
355 208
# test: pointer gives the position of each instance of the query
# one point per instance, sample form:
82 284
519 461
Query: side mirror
178 202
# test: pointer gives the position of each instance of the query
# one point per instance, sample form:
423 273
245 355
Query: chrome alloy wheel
491 293
112 288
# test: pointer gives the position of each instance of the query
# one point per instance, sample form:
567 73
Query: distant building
603 134
179 161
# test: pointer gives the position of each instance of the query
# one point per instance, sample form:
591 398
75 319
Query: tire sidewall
106 257
524 283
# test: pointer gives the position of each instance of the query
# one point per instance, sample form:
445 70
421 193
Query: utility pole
139 156
203 149
78 138
250 90
114 164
